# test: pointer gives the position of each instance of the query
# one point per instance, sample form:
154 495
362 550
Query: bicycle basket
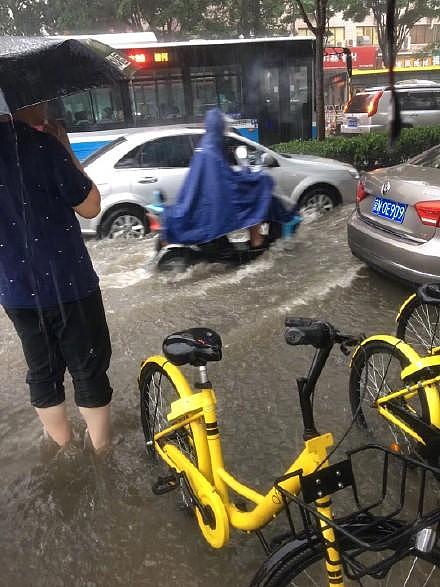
377 518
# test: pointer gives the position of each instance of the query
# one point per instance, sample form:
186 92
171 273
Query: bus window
99 107
171 97
146 109
159 97
78 111
107 105
216 86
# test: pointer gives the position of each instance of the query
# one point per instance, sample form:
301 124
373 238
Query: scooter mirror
241 153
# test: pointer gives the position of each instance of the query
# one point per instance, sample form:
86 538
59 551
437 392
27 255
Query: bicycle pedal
165 485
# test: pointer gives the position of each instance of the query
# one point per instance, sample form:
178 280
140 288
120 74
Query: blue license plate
353 122
394 211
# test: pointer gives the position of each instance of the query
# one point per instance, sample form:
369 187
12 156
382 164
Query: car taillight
429 212
374 103
361 192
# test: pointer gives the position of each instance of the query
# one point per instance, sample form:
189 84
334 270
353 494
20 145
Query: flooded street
67 523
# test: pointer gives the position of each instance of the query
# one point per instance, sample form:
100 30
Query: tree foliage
408 13
173 19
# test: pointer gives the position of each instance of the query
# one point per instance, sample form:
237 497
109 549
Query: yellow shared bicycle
180 427
394 394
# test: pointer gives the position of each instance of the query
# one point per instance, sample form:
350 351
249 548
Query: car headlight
354 173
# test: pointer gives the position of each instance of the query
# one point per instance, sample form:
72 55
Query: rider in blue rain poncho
216 199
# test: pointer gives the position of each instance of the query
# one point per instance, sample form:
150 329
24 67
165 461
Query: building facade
418 58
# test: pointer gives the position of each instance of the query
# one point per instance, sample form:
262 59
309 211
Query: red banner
364 57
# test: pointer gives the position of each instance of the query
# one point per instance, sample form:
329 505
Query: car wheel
317 201
125 223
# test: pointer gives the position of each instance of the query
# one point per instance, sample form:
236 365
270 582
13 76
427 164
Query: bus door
297 109
269 120
285 109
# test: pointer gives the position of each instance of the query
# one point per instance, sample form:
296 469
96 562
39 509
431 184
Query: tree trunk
256 17
319 78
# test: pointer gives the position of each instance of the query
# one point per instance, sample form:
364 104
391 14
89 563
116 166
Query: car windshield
105 149
430 158
359 103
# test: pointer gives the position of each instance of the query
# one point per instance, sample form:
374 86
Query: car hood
322 163
408 173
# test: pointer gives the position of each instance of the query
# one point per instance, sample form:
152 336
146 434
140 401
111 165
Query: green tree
19 17
408 13
73 17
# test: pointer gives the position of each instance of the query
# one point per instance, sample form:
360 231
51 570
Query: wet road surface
67 523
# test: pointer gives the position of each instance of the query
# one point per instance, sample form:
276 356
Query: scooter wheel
176 260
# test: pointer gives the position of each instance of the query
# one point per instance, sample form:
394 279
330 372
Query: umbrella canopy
35 69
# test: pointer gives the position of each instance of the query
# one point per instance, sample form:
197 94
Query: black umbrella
35 69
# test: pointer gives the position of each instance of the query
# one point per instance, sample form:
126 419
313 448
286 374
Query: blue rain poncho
215 199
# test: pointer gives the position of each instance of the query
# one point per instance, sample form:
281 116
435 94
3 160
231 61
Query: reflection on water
70 522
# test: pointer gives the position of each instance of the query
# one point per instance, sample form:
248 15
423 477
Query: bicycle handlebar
322 336
317 333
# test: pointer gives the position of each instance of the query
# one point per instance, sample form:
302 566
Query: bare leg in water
57 425
257 239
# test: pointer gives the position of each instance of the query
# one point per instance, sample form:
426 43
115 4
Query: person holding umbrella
48 287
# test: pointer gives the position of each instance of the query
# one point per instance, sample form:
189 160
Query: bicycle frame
425 433
212 483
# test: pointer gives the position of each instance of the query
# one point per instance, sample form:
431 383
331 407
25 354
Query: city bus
265 86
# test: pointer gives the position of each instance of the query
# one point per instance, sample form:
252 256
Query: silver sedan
396 225
129 170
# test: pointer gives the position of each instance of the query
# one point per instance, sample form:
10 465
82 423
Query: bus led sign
144 58
161 57
140 58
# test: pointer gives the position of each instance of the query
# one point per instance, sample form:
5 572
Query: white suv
369 110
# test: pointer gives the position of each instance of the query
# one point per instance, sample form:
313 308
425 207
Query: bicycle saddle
195 346
305 331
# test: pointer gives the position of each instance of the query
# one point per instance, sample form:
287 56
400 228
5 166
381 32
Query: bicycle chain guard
213 520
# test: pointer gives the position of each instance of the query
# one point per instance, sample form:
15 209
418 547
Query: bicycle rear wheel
157 391
419 325
375 372
306 568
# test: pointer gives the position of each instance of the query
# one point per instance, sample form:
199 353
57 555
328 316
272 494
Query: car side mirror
268 160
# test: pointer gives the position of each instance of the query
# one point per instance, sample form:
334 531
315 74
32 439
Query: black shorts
74 335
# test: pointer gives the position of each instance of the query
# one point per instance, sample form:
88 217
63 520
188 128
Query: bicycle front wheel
375 373
418 324
306 568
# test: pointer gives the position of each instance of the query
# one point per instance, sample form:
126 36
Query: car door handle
148 180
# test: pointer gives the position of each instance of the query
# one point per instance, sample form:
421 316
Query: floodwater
68 523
